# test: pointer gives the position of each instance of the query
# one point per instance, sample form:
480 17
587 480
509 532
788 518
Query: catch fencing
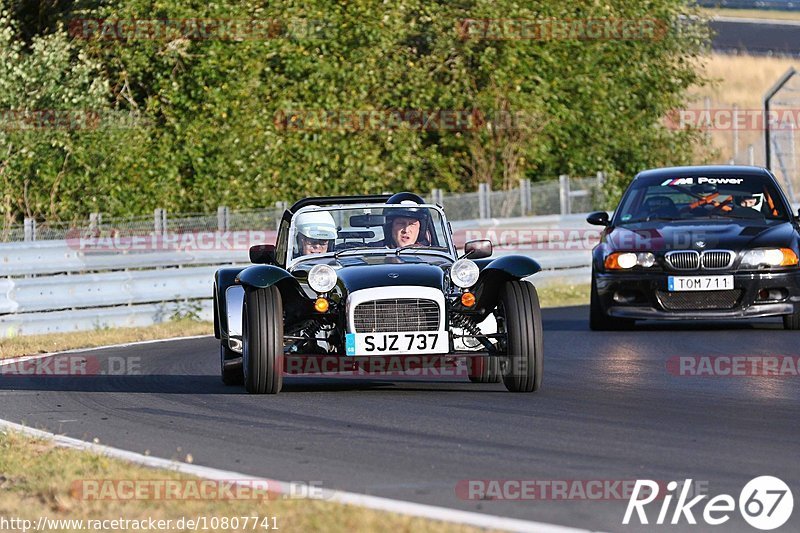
135 272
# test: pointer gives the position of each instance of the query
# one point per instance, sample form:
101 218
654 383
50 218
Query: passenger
316 233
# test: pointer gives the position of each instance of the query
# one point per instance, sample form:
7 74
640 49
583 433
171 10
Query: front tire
262 337
792 321
522 324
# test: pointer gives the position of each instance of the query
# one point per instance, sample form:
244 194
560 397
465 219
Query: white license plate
700 283
402 342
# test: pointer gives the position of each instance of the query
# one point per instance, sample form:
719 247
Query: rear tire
791 321
599 320
262 337
522 323
230 375
484 369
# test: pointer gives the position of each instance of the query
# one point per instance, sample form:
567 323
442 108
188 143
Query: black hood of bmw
736 235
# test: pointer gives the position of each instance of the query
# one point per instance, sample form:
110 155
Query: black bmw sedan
693 243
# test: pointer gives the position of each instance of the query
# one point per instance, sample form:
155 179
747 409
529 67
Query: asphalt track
609 410
756 37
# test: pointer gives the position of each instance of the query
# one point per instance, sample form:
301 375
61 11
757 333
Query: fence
564 196
59 285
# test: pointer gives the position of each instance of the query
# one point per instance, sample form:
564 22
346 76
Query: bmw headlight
322 278
769 257
626 260
464 273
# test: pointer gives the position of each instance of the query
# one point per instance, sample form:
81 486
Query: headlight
322 278
625 260
464 273
769 257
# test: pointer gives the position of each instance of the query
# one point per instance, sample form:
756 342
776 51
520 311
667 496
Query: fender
223 278
263 276
497 272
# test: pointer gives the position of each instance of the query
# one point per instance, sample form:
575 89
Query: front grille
683 260
397 314
699 300
717 259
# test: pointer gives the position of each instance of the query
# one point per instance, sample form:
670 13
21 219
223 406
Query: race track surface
609 410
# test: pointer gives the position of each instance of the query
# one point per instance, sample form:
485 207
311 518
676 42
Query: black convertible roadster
359 279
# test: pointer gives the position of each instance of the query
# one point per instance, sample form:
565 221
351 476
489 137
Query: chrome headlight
464 273
769 257
322 278
626 260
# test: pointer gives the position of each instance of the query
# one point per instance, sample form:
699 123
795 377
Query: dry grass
36 480
564 295
741 81
53 342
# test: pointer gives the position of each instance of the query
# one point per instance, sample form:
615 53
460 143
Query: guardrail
58 286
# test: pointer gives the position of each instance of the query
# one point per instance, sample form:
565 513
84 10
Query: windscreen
368 229
702 197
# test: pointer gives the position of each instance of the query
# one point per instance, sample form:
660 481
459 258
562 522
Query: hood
363 272
707 235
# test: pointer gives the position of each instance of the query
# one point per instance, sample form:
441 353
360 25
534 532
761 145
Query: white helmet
316 225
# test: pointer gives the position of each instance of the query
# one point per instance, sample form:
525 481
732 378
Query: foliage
229 122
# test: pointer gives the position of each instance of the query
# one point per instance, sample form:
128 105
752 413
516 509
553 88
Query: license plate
423 342
700 283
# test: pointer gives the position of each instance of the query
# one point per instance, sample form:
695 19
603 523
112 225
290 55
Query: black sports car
352 281
707 242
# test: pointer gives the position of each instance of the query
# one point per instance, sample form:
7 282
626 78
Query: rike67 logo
765 503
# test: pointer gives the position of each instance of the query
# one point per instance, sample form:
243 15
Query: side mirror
478 249
263 254
598 218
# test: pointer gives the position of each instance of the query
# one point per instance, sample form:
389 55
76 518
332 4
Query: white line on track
13 360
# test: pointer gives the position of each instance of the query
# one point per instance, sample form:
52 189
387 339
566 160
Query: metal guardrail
55 286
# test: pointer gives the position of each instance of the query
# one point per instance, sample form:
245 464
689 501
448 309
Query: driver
316 232
405 226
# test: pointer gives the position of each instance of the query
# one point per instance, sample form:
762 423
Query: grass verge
54 342
38 479
564 295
